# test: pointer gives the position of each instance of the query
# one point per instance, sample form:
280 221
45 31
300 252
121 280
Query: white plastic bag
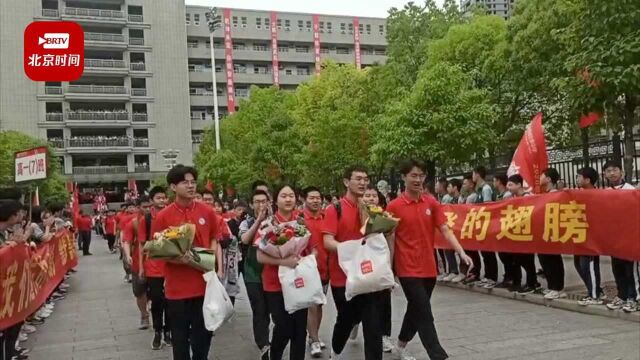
301 286
367 265
217 307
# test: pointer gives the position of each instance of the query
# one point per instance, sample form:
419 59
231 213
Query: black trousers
385 312
85 241
490 265
508 261
159 313
260 313
588 267
528 263
8 339
418 318
288 328
363 308
553 268
111 241
187 329
623 274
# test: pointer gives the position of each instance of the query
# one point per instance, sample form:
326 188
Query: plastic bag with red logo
367 264
301 286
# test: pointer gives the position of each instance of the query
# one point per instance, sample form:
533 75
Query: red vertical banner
356 41
228 56
530 158
316 41
274 49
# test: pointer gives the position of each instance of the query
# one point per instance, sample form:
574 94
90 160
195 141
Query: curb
564 304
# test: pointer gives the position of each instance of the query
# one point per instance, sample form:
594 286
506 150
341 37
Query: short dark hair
408 164
259 192
443 181
257 183
468 177
309 189
36 214
129 203
456 183
55 207
9 208
142 199
218 202
589 173
156 190
123 206
516 179
552 174
354 168
241 203
480 170
612 163
280 187
502 179
178 172
208 192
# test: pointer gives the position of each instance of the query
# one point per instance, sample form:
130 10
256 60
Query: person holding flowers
184 284
279 244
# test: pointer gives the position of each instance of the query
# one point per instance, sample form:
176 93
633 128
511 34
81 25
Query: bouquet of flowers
281 240
376 220
175 242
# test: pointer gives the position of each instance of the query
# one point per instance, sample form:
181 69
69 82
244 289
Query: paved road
98 320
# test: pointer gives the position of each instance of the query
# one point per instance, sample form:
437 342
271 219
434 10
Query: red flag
530 158
132 188
209 185
75 206
589 119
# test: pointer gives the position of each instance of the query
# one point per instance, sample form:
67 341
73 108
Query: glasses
361 179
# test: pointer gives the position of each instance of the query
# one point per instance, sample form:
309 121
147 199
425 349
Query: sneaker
264 353
630 306
470 279
458 278
322 345
144 323
167 338
35 321
526 290
64 286
590 301
316 350
354 332
156 344
448 277
503 285
28 329
489 284
553 295
440 277
22 337
387 344
616 304
403 354
126 278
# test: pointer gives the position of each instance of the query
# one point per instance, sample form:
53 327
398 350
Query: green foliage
51 189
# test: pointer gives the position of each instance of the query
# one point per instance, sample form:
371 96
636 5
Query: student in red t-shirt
287 327
125 216
184 285
314 218
109 229
85 224
412 251
342 223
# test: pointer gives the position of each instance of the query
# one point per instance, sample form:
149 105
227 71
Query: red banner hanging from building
228 56
28 276
316 42
356 41
583 222
275 66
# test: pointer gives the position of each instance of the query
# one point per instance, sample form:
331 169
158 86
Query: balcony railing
138 92
140 142
200 92
140 66
199 68
50 13
91 170
142 117
89 36
196 139
135 18
54 117
97 115
104 63
97 89
142 168
56 143
114 14
98 142
136 41
53 90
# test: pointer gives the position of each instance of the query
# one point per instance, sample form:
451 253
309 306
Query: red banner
583 222
28 276
356 41
530 158
589 119
316 42
228 56
275 66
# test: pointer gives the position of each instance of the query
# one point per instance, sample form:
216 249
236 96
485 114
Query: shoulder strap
147 223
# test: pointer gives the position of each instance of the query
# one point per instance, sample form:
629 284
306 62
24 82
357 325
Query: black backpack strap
147 225
338 206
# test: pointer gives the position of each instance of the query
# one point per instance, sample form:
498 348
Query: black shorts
138 285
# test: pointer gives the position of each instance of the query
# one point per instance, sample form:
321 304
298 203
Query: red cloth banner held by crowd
28 276
228 59
530 158
275 66
581 222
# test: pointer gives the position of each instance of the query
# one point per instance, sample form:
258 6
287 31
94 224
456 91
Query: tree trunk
431 170
627 126
585 146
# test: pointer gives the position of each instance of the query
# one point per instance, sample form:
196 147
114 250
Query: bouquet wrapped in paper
174 242
281 240
376 220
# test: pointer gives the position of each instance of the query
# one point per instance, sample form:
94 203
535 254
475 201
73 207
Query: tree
52 189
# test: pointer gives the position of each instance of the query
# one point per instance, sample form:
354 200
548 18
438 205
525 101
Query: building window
283 48
308 25
244 21
234 20
300 25
368 27
287 24
321 26
192 43
258 23
350 28
381 29
288 72
188 19
279 23
302 49
302 70
360 28
324 50
343 27
267 22
196 19
239 46
239 69
260 69
342 51
380 51
260 47
329 26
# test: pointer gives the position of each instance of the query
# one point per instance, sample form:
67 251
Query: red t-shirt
110 225
343 229
124 220
183 281
84 223
224 232
415 235
315 225
152 268
129 236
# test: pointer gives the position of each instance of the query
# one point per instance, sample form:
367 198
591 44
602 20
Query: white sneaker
440 277
354 332
590 301
387 344
616 304
322 345
449 277
546 291
316 350
553 295
64 286
630 307
458 278
403 354
489 284
22 337
28 329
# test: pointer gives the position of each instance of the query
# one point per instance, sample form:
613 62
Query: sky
365 8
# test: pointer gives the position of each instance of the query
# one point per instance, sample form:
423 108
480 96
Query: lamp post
170 157
214 22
